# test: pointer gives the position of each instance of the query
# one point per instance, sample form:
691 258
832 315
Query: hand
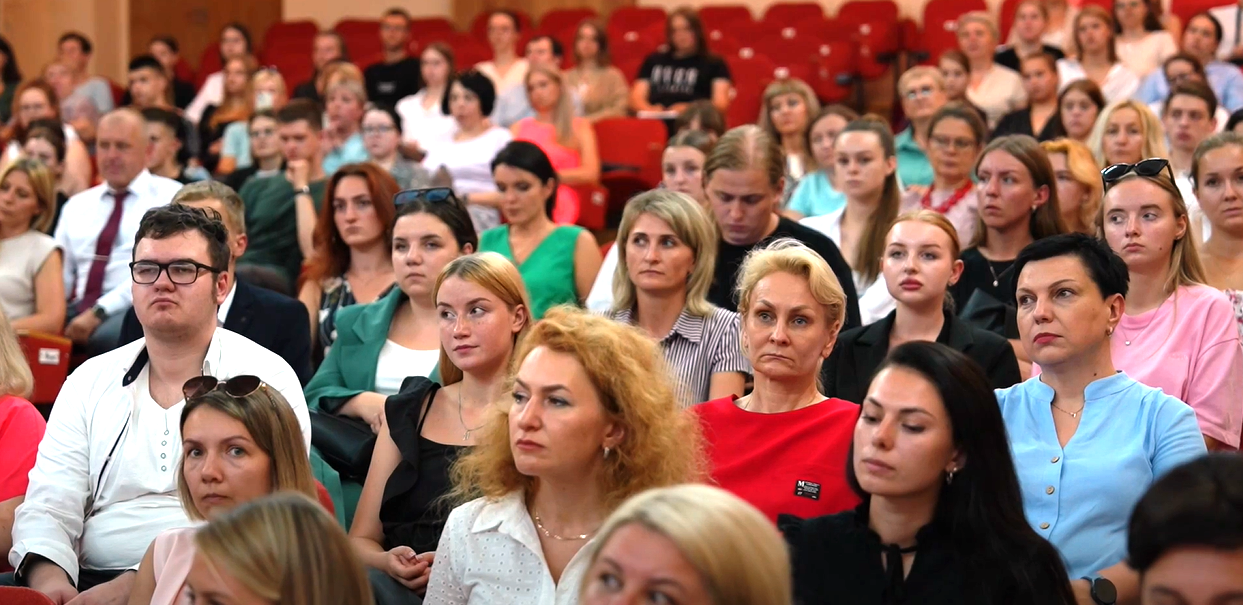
52 581
114 592
298 173
368 407
81 327
920 190
412 150
1083 592
407 567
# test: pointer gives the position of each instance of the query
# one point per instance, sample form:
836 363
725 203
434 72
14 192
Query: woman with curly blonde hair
593 420
1125 133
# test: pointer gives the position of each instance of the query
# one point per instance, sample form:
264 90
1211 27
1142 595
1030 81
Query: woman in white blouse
995 89
506 69
866 169
423 118
1095 56
235 43
592 421
1142 42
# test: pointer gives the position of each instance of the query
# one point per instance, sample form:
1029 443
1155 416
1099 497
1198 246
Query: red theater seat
48 357
479 26
559 20
635 18
784 14
10 595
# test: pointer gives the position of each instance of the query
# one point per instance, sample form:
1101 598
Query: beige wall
33 26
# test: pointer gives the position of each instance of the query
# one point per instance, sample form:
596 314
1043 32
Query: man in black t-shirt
398 75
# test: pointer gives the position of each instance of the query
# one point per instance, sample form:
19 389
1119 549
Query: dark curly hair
174 219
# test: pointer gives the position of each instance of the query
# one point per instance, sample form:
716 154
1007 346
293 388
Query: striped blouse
697 348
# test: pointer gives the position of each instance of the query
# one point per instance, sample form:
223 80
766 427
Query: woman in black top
919 263
1031 21
483 311
942 517
671 80
1039 118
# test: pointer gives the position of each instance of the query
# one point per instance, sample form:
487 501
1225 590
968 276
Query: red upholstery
836 66
182 71
431 28
324 498
752 72
48 357
291 33
874 24
784 14
295 66
592 206
10 595
1186 9
633 143
362 39
940 31
635 18
722 15
209 63
118 91
468 50
1006 20
557 21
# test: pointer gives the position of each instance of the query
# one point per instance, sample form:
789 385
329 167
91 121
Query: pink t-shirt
174 553
21 429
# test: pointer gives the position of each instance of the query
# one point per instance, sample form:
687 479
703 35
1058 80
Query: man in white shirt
1188 118
514 104
1231 18
105 481
96 230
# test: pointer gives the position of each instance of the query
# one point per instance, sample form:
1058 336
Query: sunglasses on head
432 195
236 387
1150 168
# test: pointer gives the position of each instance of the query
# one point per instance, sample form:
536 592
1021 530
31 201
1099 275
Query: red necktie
103 250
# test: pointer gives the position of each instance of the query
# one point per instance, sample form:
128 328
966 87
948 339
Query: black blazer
274 321
848 370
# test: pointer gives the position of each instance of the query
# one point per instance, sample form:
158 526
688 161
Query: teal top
351 151
548 272
913 165
815 196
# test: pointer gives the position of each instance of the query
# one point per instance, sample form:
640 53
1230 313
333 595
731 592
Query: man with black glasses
105 482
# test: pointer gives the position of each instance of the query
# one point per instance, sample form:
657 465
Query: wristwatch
100 313
1103 591
306 190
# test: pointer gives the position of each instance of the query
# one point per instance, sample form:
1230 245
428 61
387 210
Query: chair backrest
48 357
635 18
12 595
941 24
721 15
556 21
792 13
635 143
299 34
479 25
751 72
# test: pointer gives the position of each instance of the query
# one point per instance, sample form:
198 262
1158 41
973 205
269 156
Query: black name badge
807 489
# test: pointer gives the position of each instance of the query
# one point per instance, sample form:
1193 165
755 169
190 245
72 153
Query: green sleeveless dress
549 270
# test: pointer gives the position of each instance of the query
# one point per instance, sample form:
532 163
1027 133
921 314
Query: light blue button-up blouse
1080 497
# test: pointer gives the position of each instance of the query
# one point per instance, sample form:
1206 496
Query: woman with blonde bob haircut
32 287
282 549
592 421
1127 132
1079 188
692 535
769 447
664 270
786 111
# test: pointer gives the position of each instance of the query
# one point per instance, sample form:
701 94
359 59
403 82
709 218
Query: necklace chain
1074 414
1126 340
549 534
461 419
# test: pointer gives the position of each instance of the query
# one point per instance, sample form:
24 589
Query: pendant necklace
1074 414
465 435
992 272
1126 340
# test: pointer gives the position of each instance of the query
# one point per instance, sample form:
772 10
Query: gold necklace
1074 414
549 534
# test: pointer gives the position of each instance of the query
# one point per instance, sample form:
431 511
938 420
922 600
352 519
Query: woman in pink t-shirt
1177 334
21 429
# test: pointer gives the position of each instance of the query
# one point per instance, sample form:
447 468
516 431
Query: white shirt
223 312
1120 83
516 75
1229 17
212 93
1194 212
489 553
600 300
14 149
999 93
875 302
82 221
419 124
85 511
1144 55
396 362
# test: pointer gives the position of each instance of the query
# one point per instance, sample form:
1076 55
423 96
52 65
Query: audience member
1186 537
772 447
1188 119
1142 42
593 421
148 84
283 548
816 194
1078 106
1125 133
1059 31
786 111
74 51
483 310
465 155
270 320
515 104
21 430
235 43
281 209
995 89
235 106
1039 118
97 241
568 140
600 85
343 139
703 116
380 344
396 75
506 70
240 441
1231 47
669 80
660 285
1145 221
266 92
266 157
327 49
956 133
1183 69
920 264
35 100
1216 169
1079 187
558 262
1070 291
956 73
76 110
381 130
942 515
922 91
45 142
1027 36
10 79
167 51
168 156
1200 42
1095 57
97 498
353 249
666 544
423 115
865 156
32 287
742 183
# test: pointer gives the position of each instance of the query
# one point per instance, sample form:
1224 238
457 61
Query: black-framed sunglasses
1150 168
431 195
180 272
236 387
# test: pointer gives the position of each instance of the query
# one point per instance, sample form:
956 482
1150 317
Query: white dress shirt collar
223 313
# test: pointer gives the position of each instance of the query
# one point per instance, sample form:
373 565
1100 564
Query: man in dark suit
274 321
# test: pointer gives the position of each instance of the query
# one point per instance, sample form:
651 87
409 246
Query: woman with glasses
922 91
1177 333
1078 106
1142 42
36 100
380 344
816 194
32 286
1087 439
1217 171
955 135
1094 56
382 136
996 89
600 84
1127 132
266 92
483 311
1078 184
240 442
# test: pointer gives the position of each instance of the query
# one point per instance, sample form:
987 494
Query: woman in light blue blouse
1087 440
815 194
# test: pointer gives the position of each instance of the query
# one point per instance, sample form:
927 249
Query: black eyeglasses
180 272
432 195
1150 167
236 387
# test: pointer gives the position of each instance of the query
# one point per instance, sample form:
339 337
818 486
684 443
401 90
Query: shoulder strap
431 398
